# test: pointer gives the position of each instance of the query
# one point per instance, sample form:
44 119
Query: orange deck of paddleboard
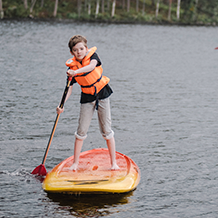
93 175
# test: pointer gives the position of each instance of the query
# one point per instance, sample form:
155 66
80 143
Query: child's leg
112 150
77 149
86 113
104 118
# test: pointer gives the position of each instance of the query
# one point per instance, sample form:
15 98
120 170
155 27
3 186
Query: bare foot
115 167
73 167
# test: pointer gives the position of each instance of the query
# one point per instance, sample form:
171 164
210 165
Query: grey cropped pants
104 119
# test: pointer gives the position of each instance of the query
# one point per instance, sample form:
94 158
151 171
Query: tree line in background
180 11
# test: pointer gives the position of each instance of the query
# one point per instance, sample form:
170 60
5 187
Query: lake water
164 112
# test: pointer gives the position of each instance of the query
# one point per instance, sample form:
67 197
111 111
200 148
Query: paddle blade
40 170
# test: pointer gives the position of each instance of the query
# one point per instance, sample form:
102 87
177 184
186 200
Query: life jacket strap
97 100
92 85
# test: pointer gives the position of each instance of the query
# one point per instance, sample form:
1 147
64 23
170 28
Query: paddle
40 170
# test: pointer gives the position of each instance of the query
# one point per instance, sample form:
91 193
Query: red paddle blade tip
216 48
39 171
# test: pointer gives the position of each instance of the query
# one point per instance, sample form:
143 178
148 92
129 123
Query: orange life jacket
91 82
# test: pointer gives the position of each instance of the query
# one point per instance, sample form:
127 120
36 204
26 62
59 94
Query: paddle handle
50 139
65 92
57 118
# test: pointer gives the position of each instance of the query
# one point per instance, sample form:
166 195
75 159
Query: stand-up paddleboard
93 175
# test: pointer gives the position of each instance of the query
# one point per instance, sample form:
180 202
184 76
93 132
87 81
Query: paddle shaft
57 118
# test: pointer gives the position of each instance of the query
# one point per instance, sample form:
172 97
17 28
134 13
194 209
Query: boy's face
79 51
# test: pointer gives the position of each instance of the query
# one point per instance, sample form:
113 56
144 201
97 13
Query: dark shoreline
100 21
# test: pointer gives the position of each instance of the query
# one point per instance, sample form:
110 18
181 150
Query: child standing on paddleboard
85 68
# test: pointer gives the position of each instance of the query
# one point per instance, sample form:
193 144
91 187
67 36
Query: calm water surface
164 111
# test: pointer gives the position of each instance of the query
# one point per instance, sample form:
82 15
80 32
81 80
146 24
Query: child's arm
85 69
61 110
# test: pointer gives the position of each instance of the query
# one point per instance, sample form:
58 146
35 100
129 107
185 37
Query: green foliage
14 10
204 12
72 15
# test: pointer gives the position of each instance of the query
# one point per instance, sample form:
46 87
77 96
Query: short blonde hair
76 39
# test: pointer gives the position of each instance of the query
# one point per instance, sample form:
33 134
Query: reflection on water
90 205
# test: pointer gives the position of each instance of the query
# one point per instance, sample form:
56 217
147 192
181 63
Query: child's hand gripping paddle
40 170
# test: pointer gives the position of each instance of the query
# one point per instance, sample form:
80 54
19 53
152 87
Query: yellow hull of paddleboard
93 175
